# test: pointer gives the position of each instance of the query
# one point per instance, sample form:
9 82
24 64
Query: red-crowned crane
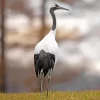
45 53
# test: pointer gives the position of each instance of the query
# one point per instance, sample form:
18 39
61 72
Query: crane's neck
53 18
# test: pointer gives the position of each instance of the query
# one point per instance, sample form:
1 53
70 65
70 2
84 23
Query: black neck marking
53 17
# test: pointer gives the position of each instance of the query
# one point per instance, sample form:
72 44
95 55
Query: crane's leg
41 81
49 78
38 86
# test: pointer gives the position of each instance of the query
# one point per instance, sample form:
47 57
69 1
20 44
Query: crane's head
57 7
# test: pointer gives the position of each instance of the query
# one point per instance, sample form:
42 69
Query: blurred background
23 23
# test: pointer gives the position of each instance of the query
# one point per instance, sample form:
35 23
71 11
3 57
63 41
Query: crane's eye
56 5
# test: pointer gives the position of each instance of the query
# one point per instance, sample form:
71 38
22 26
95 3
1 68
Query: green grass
84 95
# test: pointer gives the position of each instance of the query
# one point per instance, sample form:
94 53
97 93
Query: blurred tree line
18 7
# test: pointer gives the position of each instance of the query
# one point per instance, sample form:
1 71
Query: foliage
82 95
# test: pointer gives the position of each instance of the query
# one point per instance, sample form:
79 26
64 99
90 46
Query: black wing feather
44 61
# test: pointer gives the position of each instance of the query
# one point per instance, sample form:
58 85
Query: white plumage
48 44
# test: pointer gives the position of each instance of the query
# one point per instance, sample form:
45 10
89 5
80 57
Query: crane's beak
59 7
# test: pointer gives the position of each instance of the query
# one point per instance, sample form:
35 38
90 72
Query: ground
80 95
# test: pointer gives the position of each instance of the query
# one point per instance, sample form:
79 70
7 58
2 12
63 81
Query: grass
83 95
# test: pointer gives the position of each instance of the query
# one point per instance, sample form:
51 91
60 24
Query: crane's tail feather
45 61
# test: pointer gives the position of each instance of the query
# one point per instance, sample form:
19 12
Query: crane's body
46 51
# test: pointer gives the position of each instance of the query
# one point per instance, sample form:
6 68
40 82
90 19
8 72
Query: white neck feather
53 32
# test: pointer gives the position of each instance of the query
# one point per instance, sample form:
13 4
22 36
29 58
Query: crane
46 51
